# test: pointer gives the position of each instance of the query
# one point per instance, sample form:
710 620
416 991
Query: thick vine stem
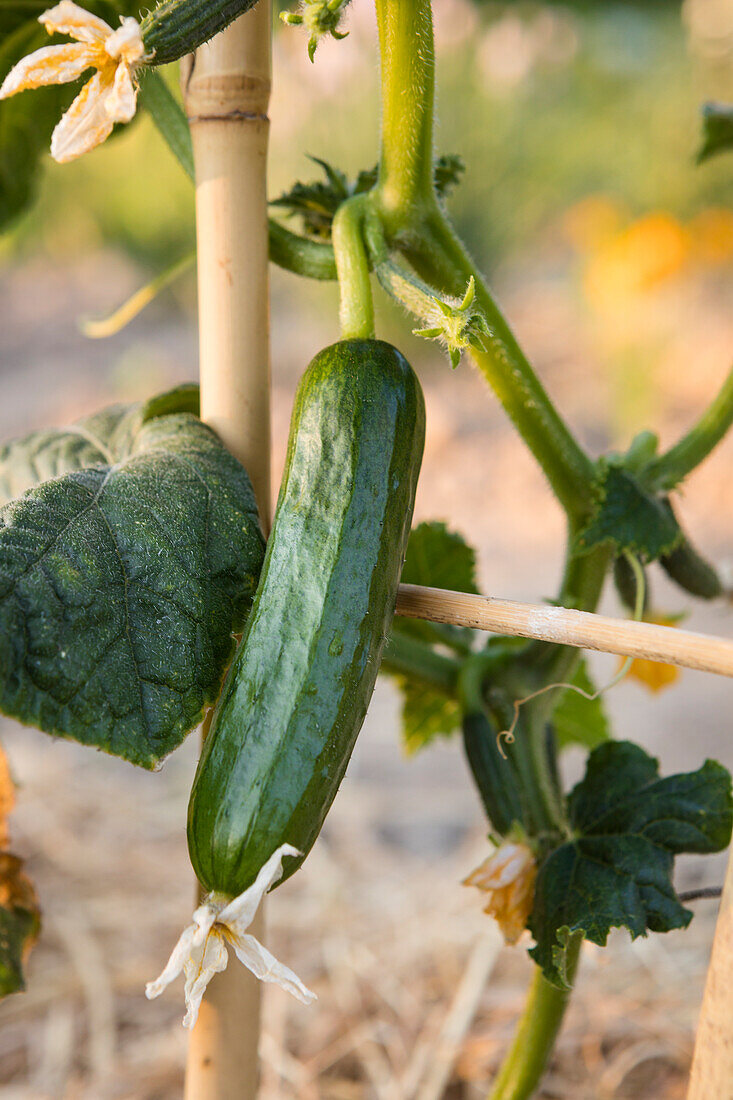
415 224
534 1039
356 310
672 467
405 183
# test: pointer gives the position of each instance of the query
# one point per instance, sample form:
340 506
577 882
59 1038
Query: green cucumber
300 682
177 27
689 569
494 773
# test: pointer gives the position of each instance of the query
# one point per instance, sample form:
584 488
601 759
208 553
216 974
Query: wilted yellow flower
507 877
109 96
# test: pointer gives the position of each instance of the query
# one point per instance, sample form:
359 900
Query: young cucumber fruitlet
298 688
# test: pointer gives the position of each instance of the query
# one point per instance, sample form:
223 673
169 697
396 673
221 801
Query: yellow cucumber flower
109 96
507 877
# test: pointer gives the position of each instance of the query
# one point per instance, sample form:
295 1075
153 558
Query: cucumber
177 27
298 688
687 568
495 775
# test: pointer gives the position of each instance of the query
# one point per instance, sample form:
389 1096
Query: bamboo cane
568 627
712 1064
226 92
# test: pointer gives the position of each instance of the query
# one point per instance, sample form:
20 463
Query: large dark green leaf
123 578
617 870
91 441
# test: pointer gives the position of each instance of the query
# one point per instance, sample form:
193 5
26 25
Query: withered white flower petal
201 950
126 42
207 959
49 65
69 18
263 964
240 912
121 101
87 121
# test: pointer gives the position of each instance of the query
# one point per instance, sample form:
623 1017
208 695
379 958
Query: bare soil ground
417 997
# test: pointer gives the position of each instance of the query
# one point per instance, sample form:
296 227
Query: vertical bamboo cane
712 1065
226 92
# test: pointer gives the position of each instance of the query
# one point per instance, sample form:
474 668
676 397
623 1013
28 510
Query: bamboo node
226 97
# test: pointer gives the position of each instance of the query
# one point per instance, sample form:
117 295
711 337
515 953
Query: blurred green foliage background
547 105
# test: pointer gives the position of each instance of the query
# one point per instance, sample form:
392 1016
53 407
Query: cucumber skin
691 572
177 27
300 683
495 775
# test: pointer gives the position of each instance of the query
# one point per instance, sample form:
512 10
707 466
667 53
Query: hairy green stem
301 255
411 657
405 183
672 467
356 310
439 257
522 1069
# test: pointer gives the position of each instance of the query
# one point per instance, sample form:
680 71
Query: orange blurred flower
593 221
507 877
636 260
711 234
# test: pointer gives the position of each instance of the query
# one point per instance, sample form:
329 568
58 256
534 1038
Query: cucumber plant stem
673 466
405 182
534 1039
440 258
356 310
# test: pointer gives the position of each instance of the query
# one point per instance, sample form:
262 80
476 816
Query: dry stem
568 627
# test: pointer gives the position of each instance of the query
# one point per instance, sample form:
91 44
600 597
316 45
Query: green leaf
627 517
317 201
426 715
123 578
577 720
438 558
717 121
617 871
20 922
170 118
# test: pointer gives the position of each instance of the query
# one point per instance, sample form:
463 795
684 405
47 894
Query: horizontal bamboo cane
568 627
